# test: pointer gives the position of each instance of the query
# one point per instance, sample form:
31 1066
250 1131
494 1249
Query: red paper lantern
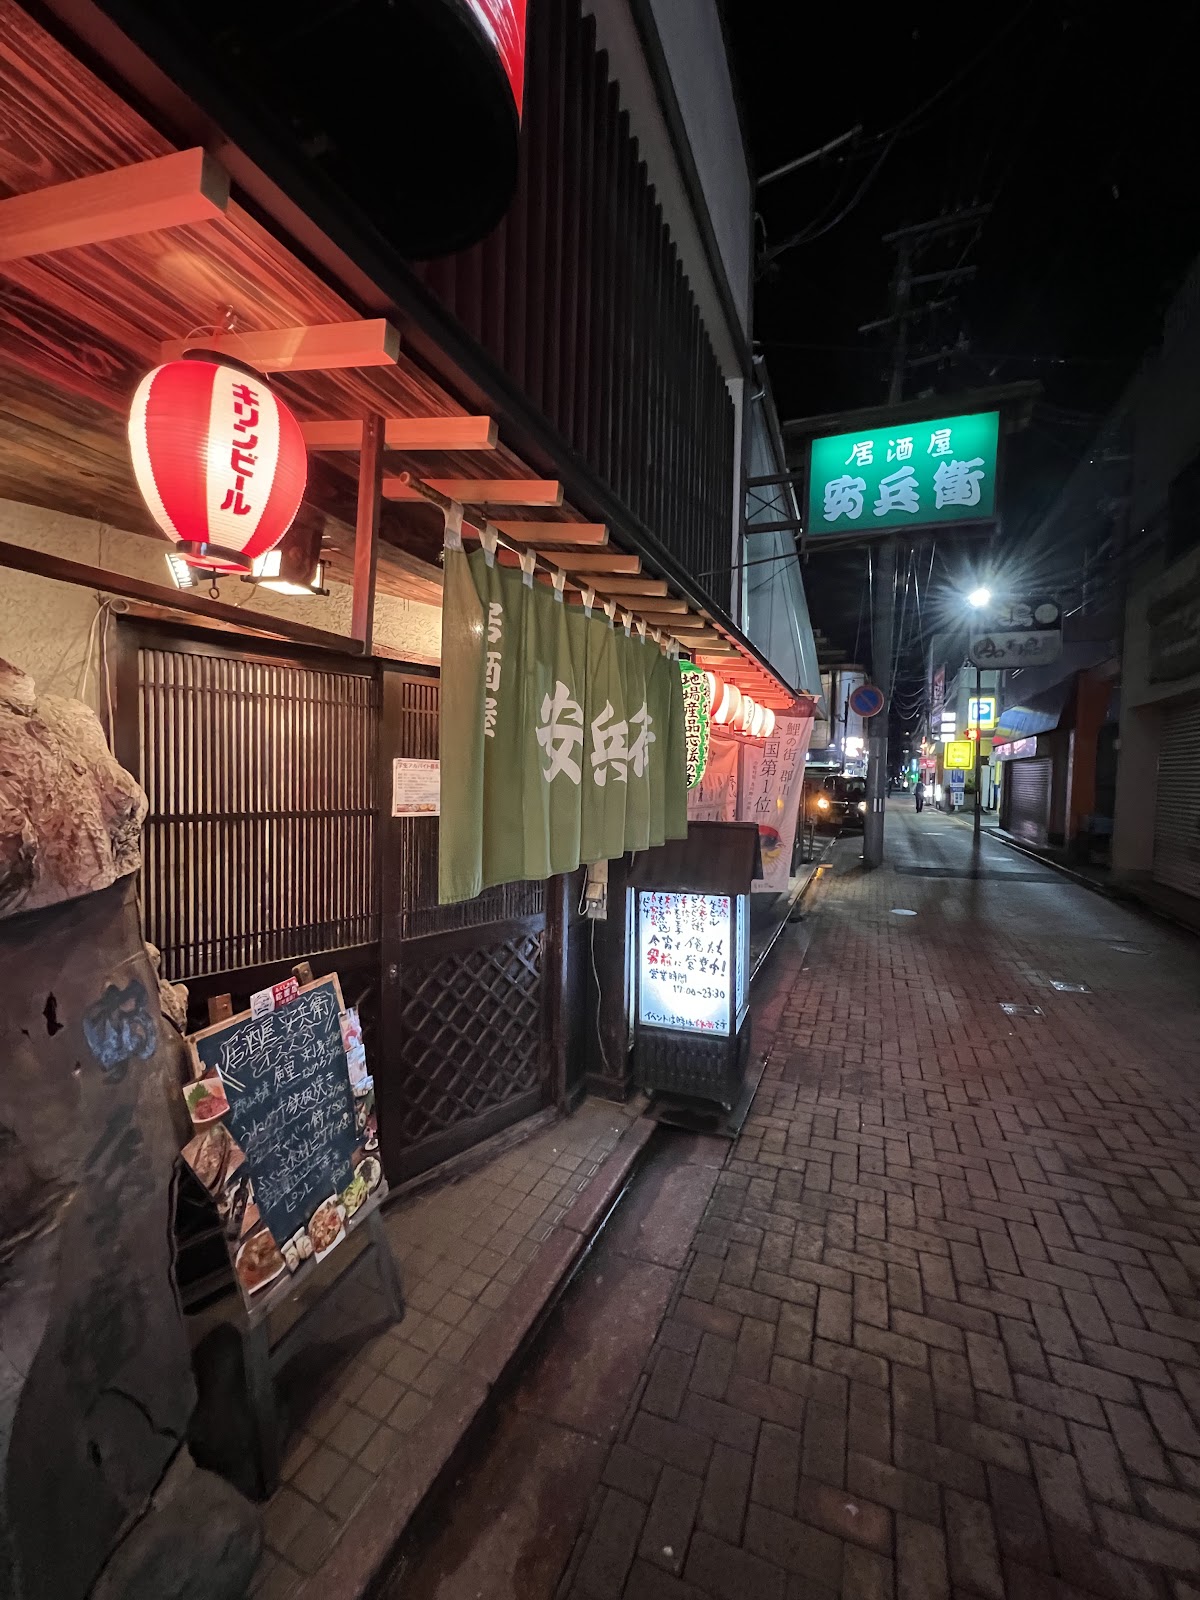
744 719
728 705
220 461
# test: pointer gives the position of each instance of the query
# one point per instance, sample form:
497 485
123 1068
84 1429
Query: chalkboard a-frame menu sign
285 1138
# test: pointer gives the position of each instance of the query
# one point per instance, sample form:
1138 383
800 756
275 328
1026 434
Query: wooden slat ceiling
80 326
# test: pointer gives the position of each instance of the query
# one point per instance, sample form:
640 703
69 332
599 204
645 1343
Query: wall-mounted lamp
295 565
183 574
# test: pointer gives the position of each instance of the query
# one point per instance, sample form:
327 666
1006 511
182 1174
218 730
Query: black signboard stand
264 1360
692 962
284 1147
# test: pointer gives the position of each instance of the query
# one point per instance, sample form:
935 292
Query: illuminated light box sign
1015 749
911 474
1020 633
696 717
960 753
691 967
981 713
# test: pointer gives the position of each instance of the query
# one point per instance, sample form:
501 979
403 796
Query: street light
978 599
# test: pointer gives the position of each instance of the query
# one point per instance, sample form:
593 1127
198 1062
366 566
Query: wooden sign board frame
262 1359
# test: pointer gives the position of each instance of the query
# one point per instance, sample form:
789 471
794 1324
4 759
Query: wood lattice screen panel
472 1034
261 837
420 913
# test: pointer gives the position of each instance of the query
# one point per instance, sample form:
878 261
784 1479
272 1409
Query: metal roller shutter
1177 801
1029 799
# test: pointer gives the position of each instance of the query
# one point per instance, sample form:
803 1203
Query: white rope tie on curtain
454 522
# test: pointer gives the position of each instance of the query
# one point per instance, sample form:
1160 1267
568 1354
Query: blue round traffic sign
866 700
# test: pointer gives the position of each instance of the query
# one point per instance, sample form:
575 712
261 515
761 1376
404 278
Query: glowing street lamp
978 599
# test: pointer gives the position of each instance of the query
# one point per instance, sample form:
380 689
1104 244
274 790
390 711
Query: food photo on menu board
285 1138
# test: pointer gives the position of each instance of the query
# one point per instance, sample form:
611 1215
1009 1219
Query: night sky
1081 135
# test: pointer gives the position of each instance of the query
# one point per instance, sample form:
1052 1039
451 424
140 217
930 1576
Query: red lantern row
737 711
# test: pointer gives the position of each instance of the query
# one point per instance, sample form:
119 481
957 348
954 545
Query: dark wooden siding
580 296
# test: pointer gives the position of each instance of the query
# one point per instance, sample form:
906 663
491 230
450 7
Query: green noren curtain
562 737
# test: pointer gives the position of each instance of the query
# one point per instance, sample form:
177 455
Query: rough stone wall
70 815
94 1362
96 1386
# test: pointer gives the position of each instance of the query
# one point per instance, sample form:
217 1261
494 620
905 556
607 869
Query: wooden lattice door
465 1051
260 765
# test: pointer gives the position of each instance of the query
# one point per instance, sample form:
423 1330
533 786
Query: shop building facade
1105 764
577 380
565 363
1156 843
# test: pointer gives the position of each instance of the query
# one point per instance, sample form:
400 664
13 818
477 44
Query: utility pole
881 665
884 596
908 242
978 744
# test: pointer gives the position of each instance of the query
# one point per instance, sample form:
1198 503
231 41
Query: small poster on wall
285 1135
416 788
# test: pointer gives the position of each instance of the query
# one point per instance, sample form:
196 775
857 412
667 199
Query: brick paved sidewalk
940 1330
461 1248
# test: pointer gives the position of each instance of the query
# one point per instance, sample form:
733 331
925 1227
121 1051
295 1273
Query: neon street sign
911 474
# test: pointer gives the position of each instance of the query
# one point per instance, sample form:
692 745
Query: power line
905 123
887 138
985 355
812 231
809 156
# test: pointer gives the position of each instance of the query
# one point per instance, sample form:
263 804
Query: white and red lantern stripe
220 461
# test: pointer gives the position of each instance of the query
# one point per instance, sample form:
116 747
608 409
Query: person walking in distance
920 793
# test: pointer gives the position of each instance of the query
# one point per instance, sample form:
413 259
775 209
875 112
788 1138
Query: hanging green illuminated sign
909 474
695 721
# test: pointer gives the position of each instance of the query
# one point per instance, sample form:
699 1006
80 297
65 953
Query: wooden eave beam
655 612
618 586
564 533
167 192
675 624
663 607
482 491
326 347
588 562
405 433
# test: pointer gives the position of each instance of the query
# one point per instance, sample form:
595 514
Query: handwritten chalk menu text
285 1141
290 1107
685 970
